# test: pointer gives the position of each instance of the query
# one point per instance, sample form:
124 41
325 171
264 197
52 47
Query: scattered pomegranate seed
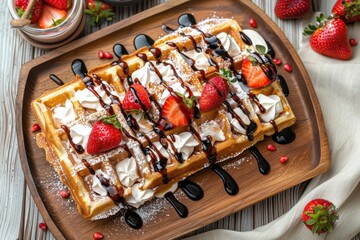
108 55
64 193
283 159
43 226
98 236
353 42
271 147
277 61
101 54
252 23
287 67
35 127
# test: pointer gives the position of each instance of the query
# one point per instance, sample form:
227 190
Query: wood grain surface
19 214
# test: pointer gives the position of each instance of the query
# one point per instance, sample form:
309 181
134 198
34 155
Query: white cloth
337 84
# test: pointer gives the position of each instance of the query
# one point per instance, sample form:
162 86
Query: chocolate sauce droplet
143 40
191 189
119 50
167 29
284 85
186 20
180 208
231 187
245 38
79 68
133 219
285 136
263 164
56 79
271 50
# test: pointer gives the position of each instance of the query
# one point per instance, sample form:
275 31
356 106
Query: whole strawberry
319 216
36 12
98 11
329 37
347 10
214 93
60 4
136 98
291 9
105 135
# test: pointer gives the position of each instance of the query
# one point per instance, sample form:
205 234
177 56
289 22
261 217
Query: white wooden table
19 217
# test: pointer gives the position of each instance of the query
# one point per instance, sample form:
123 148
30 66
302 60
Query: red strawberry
253 74
330 38
291 9
51 17
214 94
60 4
136 98
35 15
105 135
348 10
176 112
98 11
319 215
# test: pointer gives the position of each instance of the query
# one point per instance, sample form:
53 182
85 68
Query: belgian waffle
183 60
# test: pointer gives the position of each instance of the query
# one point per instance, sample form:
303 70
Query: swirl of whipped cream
144 125
185 143
139 197
272 105
229 44
146 75
96 184
161 148
235 123
166 72
88 100
127 171
212 128
201 60
64 114
178 88
80 134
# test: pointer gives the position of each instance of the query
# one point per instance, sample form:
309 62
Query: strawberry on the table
21 5
348 10
51 17
292 9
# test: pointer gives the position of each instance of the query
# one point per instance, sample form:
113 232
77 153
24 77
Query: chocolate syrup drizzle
180 208
77 147
56 79
263 164
191 189
143 40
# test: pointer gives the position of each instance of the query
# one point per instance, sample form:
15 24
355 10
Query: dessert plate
308 154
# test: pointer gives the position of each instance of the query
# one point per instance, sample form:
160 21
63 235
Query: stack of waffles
153 154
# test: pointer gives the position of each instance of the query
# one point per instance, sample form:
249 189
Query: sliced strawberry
51 17
175 112
253 74
36 12
105 135
136 98
60 4
214 94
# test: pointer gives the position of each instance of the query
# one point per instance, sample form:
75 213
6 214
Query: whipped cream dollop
64 114
96 184
88 100
80 134
166 72
272 105
139 197
235 123
146 75
212 128
176 87
127 171
144 124
185 144
200 58
256 38
161 149
229 44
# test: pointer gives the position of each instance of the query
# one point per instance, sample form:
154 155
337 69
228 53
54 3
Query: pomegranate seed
271 148
277 61
35 127
252 23
98 236
43 226
101 54
287 67
64 193
283 159
353 42
108 55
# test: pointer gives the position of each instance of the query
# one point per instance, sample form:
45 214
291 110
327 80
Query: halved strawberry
60 4
253 74
51 17
136 98
36 12
176 112
214 93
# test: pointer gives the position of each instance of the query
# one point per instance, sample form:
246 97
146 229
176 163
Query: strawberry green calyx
322 219
227 75
189 102
112 120
352 9
321 21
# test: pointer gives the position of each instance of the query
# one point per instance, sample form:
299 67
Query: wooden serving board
308 154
